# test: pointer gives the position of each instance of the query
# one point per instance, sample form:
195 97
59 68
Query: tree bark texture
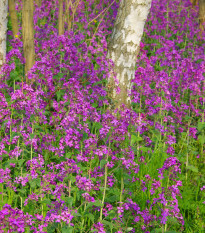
201 15
28 34
3 29
60 19
123 47
68 17
194 2
14 18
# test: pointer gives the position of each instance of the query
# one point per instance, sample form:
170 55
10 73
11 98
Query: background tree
60 19
124 47
28 34
3 29
14 18
201 15
194 2
68 17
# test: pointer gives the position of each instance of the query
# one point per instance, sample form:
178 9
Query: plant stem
83 219
122 188
105 186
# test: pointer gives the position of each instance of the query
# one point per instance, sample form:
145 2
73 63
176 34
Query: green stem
21 203
122 188
187 154
32 146
105 186
83 220
202 144
165 227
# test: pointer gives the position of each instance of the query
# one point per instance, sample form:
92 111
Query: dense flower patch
69 164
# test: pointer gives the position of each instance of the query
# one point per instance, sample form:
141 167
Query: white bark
124 45
3 29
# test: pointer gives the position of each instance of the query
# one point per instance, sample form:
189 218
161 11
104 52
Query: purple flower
165 213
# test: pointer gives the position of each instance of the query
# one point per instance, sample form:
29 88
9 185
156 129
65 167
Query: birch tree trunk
28 34
201 15
123 47
60 19
14 18
3 29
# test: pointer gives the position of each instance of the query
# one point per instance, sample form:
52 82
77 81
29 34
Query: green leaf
72 178
67 229
94 105
90 216
192 168
35 182
58 76
21 192
67 103
59 94
51 227
112 198
68 155
98 125
7 163
85 136
38 182
46 201
201 125
102 163
108 224
94 230
102 189
201 139
14 134
135 139
144 149
96 83
97 203
32 135
129 229
170 232
188 118
76 214
157 230
69 201
20 162
32 183
14 75
29 208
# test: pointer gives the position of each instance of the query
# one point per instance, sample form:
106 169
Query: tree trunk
194 2
14 18
201 15
60 19
3 30
68 17
124 47
28 34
